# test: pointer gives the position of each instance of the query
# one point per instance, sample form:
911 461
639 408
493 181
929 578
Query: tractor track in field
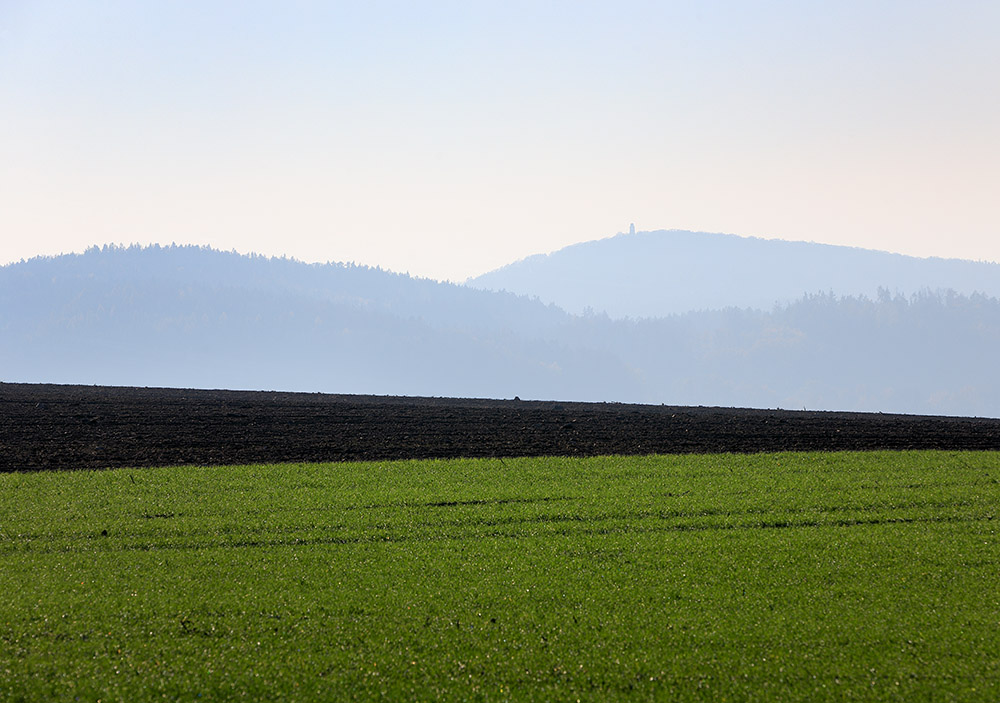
46 427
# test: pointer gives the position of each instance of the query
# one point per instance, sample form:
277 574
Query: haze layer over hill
194 317
653 274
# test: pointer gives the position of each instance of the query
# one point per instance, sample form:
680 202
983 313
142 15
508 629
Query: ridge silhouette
193 317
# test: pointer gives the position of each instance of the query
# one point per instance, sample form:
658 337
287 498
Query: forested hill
194 317
652 274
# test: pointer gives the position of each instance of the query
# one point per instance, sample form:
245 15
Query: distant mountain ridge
666 272
186 316
191 317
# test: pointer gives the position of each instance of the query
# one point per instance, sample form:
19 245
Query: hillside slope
652 274
196 318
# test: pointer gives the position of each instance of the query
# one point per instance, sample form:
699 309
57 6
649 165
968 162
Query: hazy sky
448 138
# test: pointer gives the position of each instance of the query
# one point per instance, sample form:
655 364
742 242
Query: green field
848 576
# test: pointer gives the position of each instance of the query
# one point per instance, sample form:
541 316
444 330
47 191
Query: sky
445 139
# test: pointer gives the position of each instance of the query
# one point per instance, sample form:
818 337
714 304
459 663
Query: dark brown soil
88 427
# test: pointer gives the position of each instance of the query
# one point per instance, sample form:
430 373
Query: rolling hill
192 317
653 274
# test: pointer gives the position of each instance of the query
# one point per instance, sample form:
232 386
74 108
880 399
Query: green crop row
844 576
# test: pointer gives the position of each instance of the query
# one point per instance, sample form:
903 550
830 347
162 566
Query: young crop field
798 576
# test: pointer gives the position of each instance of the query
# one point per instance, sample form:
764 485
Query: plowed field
87 427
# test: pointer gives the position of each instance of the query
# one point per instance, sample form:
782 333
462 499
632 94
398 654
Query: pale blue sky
448 138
